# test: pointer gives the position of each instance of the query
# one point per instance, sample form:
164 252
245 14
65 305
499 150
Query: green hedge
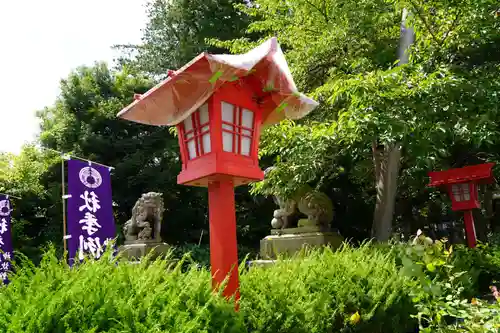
366 289
321 291
105 297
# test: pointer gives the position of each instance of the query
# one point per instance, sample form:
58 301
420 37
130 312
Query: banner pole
9 195
76 157
63 190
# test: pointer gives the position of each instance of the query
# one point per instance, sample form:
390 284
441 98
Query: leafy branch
424 21
319 10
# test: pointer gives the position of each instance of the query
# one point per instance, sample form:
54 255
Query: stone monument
142 231
290 232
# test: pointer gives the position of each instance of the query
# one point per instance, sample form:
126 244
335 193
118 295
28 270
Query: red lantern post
219 144
218 104
462 184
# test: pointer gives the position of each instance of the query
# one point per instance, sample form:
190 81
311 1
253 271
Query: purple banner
91 223
5 238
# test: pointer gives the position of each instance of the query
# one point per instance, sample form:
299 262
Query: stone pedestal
292 240
134 250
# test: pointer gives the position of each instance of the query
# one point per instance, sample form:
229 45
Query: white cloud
42 41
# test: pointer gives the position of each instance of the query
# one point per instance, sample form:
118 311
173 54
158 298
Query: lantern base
205 182
216 167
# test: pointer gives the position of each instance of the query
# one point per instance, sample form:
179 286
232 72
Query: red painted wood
257 120
223 243
208 167
182 145
470 229
480 173
238 128
235 114
221 171
260 92
471 175
205 167
473 201
196 129
215 117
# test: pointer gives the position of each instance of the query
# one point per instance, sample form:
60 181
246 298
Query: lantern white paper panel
206 137
206 143
466 191
202 141
246 121
456 192
246 143
227 116
191 145
461 192
188 126
191 149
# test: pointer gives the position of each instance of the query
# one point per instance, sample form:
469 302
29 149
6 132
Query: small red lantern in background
462 184
219 104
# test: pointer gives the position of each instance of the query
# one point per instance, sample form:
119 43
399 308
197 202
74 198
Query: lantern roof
263 68
479 173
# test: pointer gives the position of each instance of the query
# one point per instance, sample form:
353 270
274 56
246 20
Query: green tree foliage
21 176
176 32
145 158
442 106
83 122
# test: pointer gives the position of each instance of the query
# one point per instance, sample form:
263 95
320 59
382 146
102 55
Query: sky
42 41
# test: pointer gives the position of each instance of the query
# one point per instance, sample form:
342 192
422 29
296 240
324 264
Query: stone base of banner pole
135 250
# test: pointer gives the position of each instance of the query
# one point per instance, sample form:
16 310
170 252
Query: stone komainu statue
316 205
146 219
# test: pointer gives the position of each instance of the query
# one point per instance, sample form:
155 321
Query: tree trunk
386 162
495 218
481 221
387 159
488 205
480 225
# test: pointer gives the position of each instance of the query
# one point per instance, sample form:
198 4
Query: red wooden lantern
219 104
221 138
462 184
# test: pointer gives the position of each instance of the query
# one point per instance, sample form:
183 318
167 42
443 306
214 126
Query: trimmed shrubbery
369 289
325 291
104 297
